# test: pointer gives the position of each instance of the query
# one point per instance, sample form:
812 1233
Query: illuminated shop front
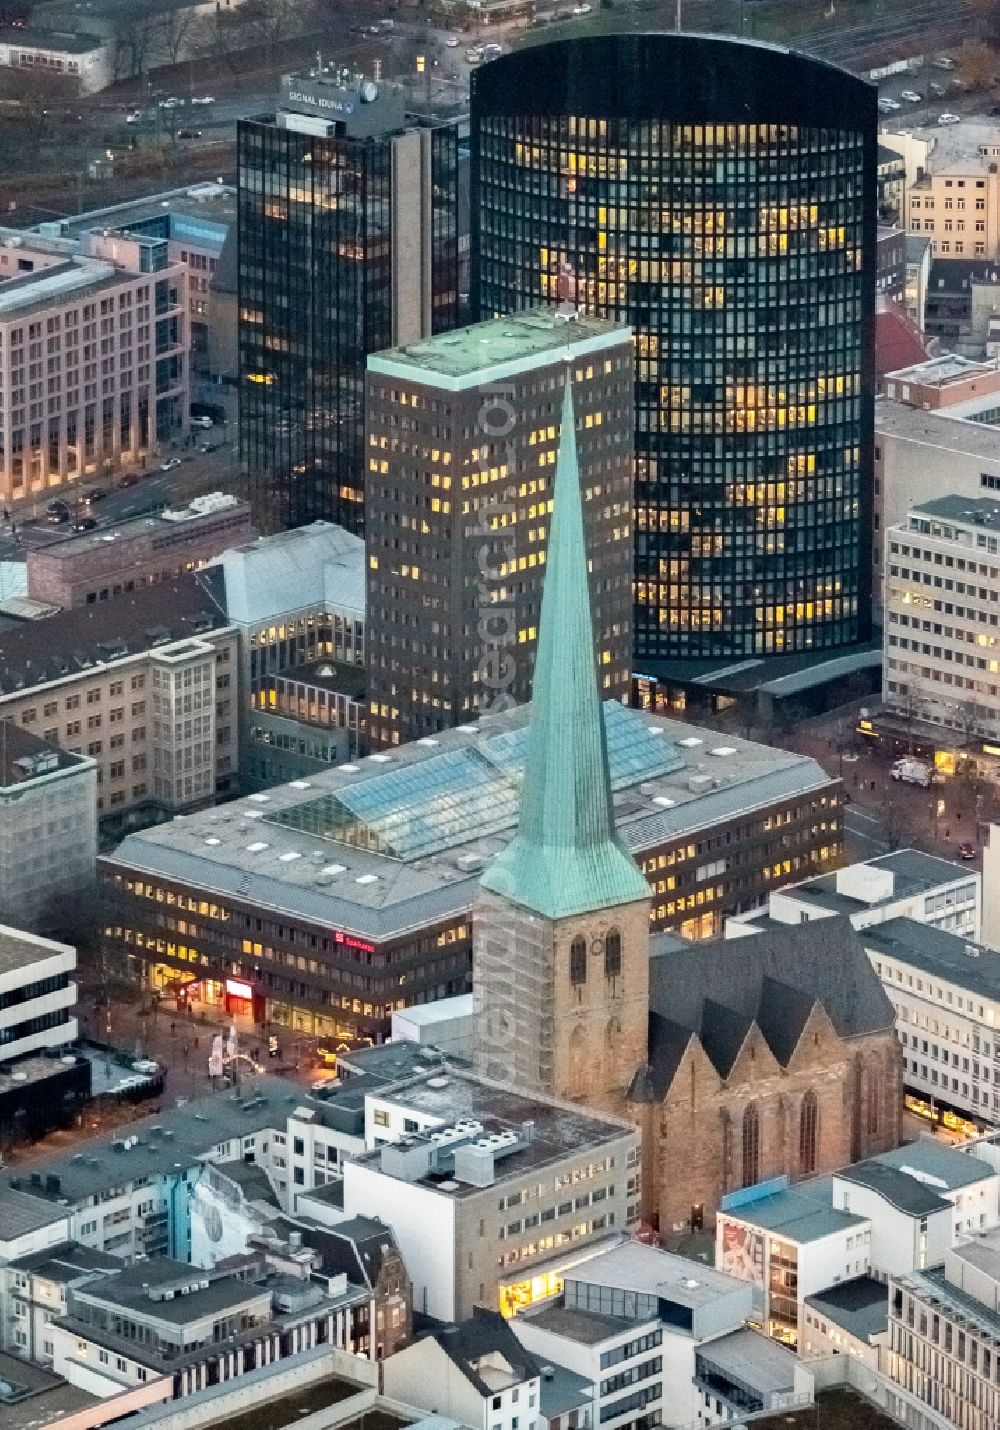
716 196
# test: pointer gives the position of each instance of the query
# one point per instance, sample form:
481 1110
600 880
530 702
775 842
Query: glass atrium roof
432 805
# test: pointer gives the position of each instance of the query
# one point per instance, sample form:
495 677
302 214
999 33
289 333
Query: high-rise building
719 196
462 437
348 243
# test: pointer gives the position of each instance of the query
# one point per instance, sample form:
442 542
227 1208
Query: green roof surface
566 857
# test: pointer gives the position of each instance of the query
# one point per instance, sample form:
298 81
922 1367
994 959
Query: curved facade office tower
719 196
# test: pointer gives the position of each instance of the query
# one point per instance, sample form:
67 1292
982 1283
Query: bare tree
977 66
177 30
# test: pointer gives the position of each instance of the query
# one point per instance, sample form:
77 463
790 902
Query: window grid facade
743 255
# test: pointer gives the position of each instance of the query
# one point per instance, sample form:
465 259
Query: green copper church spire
566 857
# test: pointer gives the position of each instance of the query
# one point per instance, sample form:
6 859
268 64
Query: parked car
967 850
453 42
203 99
56 505
129 479
171 102
888 106
943 62
189 134
170 465
85 523
134 116
910 95
205 422
97 494
56 518
936 89
949 119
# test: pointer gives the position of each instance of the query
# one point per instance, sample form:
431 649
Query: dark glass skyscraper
719 196
348 243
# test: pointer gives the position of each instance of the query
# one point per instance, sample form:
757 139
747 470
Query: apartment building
942 632
463 431
125 556
94 367
943 1344
955 199
946 992
48 828
491 1193
146 685
906 884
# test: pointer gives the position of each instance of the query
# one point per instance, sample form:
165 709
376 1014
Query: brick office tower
741 1060
462 437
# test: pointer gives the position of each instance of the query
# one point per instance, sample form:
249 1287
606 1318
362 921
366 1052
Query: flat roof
795 1215
426 1015
40 1398
586 1328
860 1306
753 1359
559 1130
64 282
129 1290
653 1272
944 1168
936 429
499 347
940 371
213 203
20 949
35 37
325 674
974 512
955 148
127 531
971 966
390 843
166 1136
934 1285
914 873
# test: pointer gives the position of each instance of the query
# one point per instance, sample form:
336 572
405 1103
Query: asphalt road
197 474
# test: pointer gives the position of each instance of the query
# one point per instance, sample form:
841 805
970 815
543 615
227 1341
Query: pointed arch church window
578 961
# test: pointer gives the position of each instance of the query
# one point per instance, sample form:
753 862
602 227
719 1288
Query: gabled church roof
566 857
717 991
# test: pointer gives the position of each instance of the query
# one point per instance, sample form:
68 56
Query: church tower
561 932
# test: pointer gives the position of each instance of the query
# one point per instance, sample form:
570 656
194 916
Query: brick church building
740 1060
